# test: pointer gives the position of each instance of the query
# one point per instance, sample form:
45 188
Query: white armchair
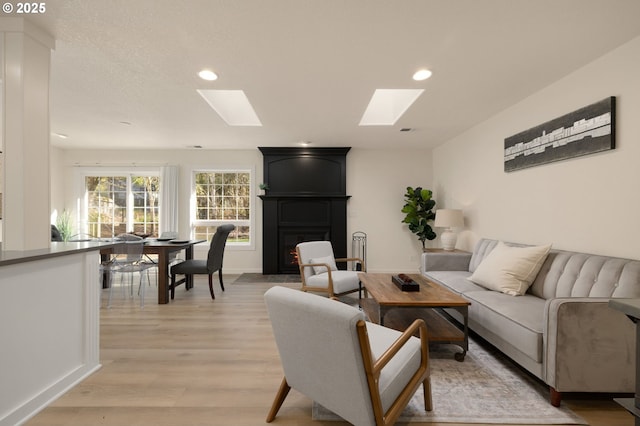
361 371
318 270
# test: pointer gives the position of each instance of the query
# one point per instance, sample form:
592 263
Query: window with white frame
222 196
119 203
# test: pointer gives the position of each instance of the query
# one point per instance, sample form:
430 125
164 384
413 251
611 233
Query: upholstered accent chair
207 266
363 372
319 273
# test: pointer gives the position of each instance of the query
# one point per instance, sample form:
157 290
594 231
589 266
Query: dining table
163 250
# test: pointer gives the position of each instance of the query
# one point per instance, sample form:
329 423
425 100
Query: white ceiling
309 67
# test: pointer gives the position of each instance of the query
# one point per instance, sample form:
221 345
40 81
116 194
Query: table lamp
449 218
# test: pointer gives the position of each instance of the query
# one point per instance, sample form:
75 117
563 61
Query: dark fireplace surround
306 201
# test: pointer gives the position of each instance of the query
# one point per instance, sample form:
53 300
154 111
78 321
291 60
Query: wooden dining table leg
188 254
163 277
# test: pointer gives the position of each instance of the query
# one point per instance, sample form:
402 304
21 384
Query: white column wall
27 53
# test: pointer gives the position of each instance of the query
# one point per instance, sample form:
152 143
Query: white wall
57 182
376 181
587 204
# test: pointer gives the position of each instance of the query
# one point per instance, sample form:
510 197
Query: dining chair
207 266
318 270
363 372
127 260
55 234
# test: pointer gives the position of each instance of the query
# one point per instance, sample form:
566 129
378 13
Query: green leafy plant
418 211
63 223
264 186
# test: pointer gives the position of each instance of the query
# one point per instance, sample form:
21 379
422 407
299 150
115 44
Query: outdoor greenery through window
121 204
223 197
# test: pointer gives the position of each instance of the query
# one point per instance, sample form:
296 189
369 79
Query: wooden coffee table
399 308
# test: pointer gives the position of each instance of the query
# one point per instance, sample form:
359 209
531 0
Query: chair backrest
128 237
169 234
216 249
320 353
312 250
131 250
55 234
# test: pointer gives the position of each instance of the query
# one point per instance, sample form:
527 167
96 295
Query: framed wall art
585 131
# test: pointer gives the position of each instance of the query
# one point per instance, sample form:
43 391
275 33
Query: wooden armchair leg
280 397
220 276
428 401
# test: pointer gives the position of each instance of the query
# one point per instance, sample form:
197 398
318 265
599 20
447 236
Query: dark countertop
12 257
630 307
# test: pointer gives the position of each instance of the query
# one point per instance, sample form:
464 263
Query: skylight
387 106
232 106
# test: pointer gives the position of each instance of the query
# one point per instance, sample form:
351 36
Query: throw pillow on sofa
510 270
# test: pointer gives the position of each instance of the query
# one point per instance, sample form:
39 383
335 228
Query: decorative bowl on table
405 283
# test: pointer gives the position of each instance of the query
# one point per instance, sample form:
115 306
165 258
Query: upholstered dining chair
55 234
318 270
207 266
363 372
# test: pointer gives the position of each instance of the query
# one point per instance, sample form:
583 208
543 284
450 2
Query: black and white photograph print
585 131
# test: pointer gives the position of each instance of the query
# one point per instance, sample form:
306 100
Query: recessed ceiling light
422 75
208 75
387 106
232 106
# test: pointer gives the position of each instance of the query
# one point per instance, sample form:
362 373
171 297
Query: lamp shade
449 218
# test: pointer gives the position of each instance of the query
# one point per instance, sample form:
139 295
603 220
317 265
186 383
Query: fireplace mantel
306 201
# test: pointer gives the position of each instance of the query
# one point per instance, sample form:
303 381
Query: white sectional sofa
562 329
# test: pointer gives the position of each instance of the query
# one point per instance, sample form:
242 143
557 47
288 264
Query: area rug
271 278
485 388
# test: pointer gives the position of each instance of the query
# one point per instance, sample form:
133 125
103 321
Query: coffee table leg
382 311
464 311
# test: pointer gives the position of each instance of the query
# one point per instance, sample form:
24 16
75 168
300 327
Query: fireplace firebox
306 201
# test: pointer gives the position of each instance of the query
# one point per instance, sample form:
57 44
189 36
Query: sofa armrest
589 347
441 260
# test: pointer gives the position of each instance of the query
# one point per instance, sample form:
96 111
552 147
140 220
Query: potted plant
263 188
418 211
63 223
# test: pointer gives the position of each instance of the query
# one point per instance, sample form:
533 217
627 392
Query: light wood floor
201 362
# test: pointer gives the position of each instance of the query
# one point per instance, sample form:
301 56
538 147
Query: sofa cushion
481 250
343 281
456 281
510 270
517 320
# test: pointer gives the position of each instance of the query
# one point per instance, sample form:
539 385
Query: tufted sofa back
572 274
